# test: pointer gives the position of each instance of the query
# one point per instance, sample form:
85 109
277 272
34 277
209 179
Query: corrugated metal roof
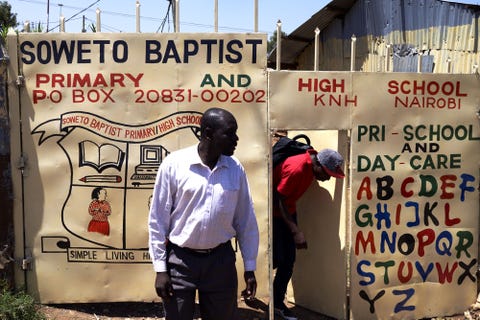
301 37
426 24
321 19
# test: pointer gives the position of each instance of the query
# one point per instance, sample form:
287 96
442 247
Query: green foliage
3 33
17 305
7 18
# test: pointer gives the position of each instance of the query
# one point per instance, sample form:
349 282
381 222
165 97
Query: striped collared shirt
199 208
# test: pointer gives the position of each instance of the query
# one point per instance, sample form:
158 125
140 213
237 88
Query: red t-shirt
292 178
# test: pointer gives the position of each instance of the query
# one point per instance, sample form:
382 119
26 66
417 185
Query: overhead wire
162 25
76 14
104 26
163 21
113 13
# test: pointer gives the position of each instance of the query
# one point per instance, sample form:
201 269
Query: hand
163 286
251 283
299 239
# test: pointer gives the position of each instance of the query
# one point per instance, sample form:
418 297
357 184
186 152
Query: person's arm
246 227
298 235
251 285
158 223
163 285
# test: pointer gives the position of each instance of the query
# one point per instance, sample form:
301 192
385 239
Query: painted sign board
414 177
99 113
415 195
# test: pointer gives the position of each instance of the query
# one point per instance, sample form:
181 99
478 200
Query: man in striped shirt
201 200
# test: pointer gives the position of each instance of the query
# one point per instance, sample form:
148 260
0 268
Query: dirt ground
257 310
146 311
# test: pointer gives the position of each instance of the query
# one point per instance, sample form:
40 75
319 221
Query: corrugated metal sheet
440 30
294 44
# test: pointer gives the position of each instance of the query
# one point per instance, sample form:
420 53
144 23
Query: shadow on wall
320 273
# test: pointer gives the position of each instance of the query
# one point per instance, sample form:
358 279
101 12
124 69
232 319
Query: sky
195 15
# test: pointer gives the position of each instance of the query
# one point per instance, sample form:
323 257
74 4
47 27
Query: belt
203 252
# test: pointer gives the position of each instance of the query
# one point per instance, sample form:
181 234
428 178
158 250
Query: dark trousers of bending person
284 254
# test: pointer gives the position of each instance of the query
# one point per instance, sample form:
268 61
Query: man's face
318 172
225 136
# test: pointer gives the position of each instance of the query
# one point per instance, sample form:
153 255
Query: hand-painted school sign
414 182
100 112
415 196
96 115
